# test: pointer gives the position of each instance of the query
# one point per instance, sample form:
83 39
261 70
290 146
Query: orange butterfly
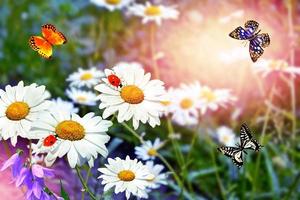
43 45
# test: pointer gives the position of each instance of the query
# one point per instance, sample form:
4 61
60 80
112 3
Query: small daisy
148 150
159 178
82 97
268 66
129 176
112 5
64 106
154 13
212 99
226 136
19 107
184 107
85 77
138 99
80 138
167 104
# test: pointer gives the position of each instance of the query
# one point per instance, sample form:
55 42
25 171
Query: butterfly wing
247 141
255 50
227 151
234 153
53 36
251 26
237 158
42 46
262 39
240 34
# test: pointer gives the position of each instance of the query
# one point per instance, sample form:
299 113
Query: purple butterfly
257 41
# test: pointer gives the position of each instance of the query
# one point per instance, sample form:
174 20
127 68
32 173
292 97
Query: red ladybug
49 140
114 80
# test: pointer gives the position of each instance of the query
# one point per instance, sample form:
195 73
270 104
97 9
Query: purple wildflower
15 162
33 179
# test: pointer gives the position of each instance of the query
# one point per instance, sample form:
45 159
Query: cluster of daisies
148 12
125 91
81 87
191 101
269 66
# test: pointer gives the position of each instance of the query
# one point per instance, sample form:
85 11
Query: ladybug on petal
49 141
114 80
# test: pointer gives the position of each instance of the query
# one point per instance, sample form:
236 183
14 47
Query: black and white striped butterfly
258 41
246 142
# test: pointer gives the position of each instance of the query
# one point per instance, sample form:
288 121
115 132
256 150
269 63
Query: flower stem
214 160
266 120
153 50
175 145
133 132
84 184
172 170
292 62
6 148
86 181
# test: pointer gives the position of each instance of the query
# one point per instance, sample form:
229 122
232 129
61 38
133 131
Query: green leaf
63 193
203 172
273 176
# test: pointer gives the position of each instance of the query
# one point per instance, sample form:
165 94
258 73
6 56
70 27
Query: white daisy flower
112 5
154 13
138 99
167 104
129 176
184 107
212 99
113 77
64 106
80 138
20 106
266 67
148 150
159 177
82 97
85 77
226 136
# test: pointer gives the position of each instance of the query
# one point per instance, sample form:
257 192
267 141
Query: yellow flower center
132 94
86 76
113 2
152 152
186 103
126 175
81 99
150 178
225 139
153 11
208 94
70 130
17 110
278 65
165 103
